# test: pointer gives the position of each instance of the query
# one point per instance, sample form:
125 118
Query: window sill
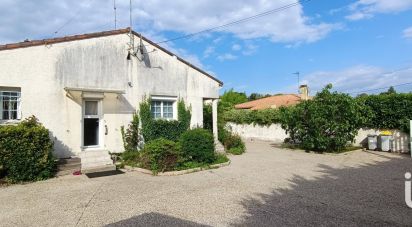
9 122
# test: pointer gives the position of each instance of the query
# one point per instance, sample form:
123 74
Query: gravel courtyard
266 186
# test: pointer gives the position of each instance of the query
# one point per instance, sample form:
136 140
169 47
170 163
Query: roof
271 102
50 41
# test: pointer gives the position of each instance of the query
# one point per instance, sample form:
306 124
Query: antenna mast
115 14
131 27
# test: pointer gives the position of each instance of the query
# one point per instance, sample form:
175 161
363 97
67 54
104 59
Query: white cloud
208 51
33 19
407 33
249 49
358 78
226 56
364 9
236 47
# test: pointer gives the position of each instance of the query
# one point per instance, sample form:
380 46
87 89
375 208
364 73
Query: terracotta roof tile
271 102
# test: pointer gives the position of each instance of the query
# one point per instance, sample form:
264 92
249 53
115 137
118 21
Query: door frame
101 125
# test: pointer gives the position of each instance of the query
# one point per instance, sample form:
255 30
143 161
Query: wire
69 21
376 89
237 21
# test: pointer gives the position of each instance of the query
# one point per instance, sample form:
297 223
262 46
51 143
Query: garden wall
276 134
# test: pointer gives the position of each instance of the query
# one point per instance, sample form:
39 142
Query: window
162 109
10 105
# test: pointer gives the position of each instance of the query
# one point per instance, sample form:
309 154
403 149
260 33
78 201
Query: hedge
26 151
198 145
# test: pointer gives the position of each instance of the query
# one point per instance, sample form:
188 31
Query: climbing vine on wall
161 128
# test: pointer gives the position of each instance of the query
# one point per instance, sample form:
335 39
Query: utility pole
298 75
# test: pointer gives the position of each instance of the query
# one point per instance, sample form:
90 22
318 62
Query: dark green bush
198 145
234 141
131 158
159 128
327 123
160 155
26 151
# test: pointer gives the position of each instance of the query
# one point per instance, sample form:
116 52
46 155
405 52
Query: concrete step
93 153
100 168
93 164
97 159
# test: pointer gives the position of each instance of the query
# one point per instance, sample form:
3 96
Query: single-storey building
276 101
83 88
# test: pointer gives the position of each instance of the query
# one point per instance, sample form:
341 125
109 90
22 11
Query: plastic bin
372 142
385 142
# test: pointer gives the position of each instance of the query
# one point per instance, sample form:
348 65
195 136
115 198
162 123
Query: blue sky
354 44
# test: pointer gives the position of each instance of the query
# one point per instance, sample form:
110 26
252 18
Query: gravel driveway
266 186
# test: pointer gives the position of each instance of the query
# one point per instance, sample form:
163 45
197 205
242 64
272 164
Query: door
92 123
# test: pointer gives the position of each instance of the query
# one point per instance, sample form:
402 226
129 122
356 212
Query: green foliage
220 158
131 158
233 141
131 137
229 99
207 117
198 145
236 150
160 155
259 117
387 111
326 123
26 151
159 128
255 96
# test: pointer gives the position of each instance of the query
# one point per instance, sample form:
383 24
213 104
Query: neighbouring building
83 88
276 101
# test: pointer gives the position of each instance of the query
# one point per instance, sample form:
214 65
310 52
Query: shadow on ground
154 219
368 195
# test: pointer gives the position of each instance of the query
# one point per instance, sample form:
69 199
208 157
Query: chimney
304 92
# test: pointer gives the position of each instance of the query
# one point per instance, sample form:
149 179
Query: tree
326 123
255 96
230 98
390 91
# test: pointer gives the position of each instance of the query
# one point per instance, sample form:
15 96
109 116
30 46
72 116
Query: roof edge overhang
95 90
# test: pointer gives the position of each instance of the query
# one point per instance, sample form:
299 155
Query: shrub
198 145
160 155
26 151
236 150
326 123
158 128
131 158
131 137
233 141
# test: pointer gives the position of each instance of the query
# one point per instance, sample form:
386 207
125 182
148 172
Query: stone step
93 153
101 168
96 163
103 158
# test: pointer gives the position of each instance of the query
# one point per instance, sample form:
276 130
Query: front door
91 123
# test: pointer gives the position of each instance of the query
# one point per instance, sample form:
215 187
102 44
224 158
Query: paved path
266 186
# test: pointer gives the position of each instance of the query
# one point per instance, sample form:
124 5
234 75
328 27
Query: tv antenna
298 75
115 14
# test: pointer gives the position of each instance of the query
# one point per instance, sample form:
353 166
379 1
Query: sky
357 45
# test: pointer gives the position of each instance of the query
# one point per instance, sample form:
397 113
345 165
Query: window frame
163 100
10 110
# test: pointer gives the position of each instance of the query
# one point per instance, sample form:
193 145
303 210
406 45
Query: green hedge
158 128
160 155
198 145
26 151
387 111
259 117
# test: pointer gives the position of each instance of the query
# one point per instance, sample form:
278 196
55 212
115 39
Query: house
276 101
83 88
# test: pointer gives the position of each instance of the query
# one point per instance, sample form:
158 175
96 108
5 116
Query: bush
198 145
131 137
234 141
158 128
236 150
26 151
160 155
327 123
259 117
131 158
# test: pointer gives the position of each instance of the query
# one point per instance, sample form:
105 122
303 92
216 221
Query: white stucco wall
273 132
276 134
42 73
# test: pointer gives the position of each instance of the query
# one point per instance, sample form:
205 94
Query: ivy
159 128
131 136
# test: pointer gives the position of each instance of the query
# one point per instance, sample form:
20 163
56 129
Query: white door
92 124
